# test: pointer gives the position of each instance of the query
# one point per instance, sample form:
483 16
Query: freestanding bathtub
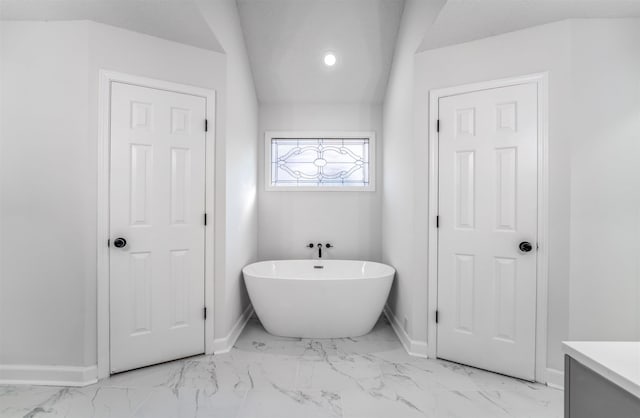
318 298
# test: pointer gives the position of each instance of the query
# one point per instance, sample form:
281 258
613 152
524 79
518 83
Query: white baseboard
225 344
555 378
412 347
27 374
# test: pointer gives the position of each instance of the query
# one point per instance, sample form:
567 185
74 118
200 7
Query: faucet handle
327 245
310 245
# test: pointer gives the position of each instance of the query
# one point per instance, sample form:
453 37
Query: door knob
119 242
525 246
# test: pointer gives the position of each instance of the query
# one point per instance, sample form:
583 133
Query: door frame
541 82
106 78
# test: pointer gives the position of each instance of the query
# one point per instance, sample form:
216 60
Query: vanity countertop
616 361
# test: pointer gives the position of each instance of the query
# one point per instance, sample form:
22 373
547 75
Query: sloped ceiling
174 20
465 20
287 39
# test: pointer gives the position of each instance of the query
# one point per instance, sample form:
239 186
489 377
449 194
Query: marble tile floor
272 377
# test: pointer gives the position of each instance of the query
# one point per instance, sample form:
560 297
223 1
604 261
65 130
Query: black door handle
119 242
525 246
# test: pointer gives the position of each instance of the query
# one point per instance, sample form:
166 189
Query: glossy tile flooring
271 377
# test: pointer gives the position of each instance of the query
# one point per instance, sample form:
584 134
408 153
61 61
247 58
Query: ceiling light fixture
329 59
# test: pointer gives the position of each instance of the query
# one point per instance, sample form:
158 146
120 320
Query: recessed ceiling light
329 59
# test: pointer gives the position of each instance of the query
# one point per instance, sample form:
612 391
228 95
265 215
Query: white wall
594 198
605 181
49 172
48 231
155 58
538 49
48 168
236 214
348 220
398 181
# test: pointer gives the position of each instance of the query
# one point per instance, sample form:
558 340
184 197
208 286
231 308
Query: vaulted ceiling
287 40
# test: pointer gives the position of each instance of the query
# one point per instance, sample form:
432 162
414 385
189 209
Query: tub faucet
319 250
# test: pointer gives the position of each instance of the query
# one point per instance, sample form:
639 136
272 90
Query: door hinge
437 317
204 312
438 125
108 243
206 125
438 221
205 219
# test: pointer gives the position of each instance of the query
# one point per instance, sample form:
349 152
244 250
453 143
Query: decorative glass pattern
320 162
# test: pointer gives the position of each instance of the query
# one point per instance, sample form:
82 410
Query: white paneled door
157 227
488 229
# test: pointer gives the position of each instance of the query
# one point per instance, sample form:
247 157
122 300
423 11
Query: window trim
270 135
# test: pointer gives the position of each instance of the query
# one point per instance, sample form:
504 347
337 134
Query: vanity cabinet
602 379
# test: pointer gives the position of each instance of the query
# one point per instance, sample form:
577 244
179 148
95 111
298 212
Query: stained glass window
320 162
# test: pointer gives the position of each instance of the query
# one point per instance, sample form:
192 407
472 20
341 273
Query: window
320 161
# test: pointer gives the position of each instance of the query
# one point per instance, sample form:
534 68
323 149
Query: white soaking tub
318 298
